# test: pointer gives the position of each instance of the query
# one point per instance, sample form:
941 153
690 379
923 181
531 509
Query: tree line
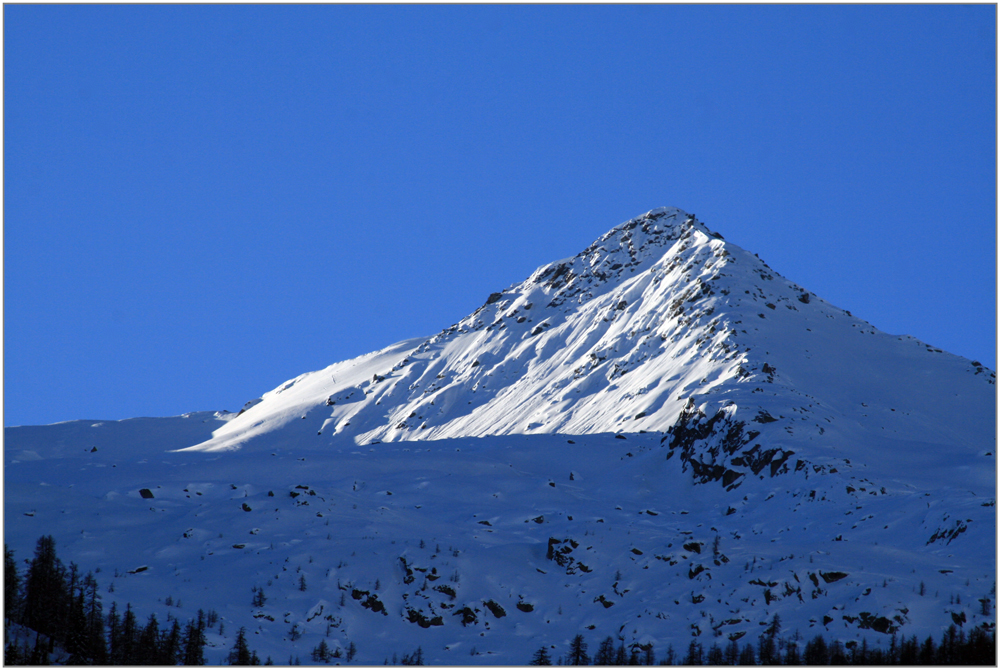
54 606
956 647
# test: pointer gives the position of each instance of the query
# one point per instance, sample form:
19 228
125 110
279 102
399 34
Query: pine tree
417 658
774 627
40 654
766 652
946 652
114 633
148 648
909 650
837 656
240 653
648 657
633 657
714 655
605 652
45 597
170 645
74 633
792 656
578 652
541 657
93 612
620 658
321 652
352 651
926 655
11 587
816 652
128 639
859 653
194 642
694 655
670 656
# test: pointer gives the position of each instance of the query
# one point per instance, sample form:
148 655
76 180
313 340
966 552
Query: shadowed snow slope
660 438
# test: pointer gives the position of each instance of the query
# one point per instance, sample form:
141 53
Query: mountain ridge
622 337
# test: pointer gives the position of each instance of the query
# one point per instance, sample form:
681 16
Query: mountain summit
657 323
660 439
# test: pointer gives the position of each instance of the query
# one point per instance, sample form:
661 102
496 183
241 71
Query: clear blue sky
201 202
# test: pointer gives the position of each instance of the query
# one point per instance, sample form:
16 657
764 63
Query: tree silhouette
578 652
541 657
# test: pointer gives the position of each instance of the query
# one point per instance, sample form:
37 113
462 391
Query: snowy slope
656 439
658 312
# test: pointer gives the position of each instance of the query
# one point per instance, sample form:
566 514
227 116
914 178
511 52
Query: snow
464 442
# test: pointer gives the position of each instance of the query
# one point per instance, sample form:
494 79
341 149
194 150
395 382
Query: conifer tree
648 656
170 645
114 633
240 653
321 652
620 658
578 652
128 639
93 611
731 655
11 587
194 642
694 655
714 656
45 598
148 647
40 654
76 638
927 650
816 652
837 656
541 657
605 652
792 656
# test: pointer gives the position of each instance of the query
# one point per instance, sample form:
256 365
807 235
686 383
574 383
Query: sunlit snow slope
657 315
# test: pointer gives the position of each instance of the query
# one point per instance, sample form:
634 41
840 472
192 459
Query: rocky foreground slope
658 439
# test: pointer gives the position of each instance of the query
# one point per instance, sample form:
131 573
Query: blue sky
201 202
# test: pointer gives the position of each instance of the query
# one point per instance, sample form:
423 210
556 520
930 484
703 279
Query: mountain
659 439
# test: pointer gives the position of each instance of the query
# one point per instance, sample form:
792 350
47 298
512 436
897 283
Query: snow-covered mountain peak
660 436
631 247
658 318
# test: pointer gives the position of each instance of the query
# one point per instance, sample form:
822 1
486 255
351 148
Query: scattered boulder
494 607
763 416
468 616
